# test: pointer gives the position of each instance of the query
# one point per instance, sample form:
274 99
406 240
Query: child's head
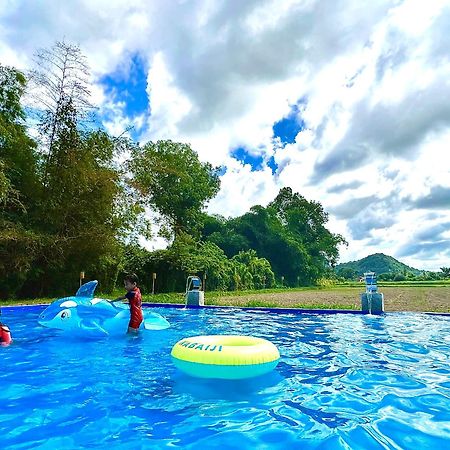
130 281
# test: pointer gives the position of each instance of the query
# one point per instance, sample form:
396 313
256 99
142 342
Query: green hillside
378 263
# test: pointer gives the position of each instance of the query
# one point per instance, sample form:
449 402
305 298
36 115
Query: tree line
74 198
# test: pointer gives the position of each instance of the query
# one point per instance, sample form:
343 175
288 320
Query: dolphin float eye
65 314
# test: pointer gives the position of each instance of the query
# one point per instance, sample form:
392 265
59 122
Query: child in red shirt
5 335
134 298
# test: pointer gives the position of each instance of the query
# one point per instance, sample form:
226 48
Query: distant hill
378 263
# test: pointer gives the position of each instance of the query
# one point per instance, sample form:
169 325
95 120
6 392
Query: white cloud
241 189
168 104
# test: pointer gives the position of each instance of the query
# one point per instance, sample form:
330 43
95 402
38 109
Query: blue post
372 301
194 295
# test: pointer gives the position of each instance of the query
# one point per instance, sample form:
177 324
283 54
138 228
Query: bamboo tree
60 80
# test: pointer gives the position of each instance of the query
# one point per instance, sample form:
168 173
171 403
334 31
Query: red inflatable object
5 335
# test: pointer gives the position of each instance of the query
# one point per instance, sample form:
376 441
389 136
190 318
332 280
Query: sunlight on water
343 381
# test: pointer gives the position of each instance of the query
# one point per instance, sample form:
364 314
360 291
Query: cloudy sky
347 102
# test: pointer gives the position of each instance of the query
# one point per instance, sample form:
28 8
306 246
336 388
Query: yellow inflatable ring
225 356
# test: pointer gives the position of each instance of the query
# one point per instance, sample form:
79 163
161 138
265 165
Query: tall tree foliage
271 240
17 150
173 180
19 185
81 195
73 214
85 200
60 90
306 221
186 256
290 233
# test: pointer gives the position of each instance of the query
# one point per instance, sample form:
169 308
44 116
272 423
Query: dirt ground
425 299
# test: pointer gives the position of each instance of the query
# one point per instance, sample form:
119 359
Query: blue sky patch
222 171
256 161
272 164
245 157
129 86
287 128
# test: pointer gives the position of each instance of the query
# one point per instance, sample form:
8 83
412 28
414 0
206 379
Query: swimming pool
343 381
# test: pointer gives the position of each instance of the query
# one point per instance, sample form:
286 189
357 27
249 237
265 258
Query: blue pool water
343 381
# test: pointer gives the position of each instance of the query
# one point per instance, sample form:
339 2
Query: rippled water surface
343 381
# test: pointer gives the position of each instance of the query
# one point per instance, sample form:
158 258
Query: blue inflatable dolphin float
96 317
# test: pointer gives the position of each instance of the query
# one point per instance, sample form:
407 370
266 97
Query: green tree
17 151
186 256
267 236
60 90
290 233
78 211
19 186
399 277
260 270
80 207
85 207
176 183
12 87
348 273
230 241
306 221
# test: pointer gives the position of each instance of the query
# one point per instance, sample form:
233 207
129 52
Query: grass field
425 297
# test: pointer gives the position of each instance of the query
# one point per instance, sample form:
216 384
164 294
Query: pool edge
255 308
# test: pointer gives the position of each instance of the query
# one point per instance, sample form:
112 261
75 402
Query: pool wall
250 308
253 308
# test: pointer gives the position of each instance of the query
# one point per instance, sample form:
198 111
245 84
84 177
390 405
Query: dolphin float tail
87 289
154 321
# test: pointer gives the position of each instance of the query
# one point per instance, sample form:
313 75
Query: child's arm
117 299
